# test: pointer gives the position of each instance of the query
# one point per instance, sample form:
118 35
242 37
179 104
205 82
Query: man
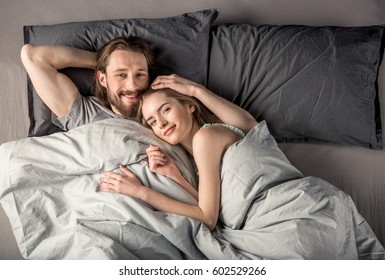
121 74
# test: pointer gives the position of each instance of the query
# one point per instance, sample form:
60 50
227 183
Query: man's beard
127 111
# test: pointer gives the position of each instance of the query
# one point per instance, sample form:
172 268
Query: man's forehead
127 60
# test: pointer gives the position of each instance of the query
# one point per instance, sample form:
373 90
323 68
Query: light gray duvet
48 189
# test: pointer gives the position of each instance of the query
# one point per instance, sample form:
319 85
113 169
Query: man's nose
130 84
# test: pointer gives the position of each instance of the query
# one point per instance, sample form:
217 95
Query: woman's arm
42 63
228 112
208 159
129 184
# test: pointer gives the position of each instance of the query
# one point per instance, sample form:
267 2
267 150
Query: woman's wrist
176 176
201 93
142 193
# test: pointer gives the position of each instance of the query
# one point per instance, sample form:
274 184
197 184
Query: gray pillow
180 44
308 83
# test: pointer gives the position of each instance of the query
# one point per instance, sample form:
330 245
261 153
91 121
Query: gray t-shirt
85 109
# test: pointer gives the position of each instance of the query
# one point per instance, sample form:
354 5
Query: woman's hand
179 84
161 163
126 183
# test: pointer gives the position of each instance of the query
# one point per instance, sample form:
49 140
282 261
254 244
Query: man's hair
134 44
200 113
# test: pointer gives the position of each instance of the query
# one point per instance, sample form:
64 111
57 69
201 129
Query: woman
170 110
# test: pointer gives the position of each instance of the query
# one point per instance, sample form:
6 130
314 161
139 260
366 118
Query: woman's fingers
106 189
157 159
109 174
155 154
176 83
107 184
165 80
126 183
125 170
152 148
112 179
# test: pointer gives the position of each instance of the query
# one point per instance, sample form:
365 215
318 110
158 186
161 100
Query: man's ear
102 79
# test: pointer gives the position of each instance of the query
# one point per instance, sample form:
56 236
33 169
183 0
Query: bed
315 81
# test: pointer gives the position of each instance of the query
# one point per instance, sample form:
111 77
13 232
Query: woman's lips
169 131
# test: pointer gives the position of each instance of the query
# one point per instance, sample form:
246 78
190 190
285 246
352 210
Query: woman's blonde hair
200 113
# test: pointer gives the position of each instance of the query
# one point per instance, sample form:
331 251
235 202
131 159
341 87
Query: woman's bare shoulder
214 139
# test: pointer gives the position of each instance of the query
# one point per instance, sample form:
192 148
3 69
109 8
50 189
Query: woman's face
169 119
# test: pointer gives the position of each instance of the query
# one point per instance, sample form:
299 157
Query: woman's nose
162 123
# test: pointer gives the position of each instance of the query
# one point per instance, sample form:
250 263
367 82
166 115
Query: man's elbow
26 53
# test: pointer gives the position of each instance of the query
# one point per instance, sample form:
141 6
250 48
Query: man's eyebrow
120 70
126 69
160 108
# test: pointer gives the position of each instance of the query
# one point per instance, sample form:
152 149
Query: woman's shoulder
234 129
210 143
214 137
208 132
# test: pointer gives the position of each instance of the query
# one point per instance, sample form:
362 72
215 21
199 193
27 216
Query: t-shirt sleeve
85 109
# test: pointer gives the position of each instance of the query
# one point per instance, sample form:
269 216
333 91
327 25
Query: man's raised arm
42 63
